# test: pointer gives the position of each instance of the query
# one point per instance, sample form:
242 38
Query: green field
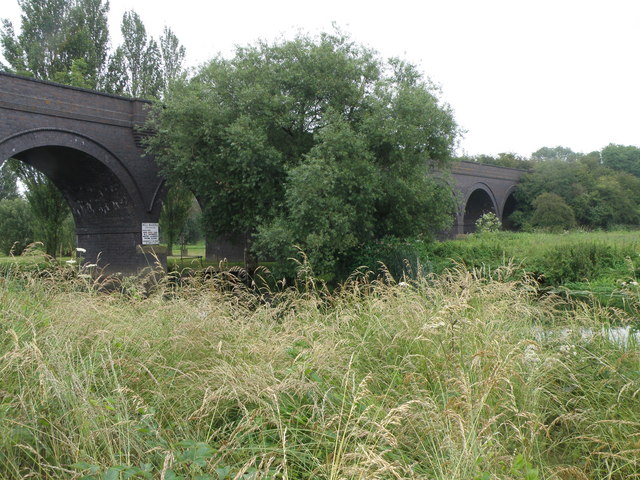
195 259
599 266
467 375
521 246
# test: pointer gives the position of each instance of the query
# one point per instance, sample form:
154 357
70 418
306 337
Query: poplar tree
65 41
142 66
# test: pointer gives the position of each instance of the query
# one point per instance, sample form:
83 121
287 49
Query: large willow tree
313 142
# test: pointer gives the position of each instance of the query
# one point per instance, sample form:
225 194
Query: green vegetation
488 223
462 376
564 188
16 225
597 266
67 41
551 212
174 215
312 142
52 221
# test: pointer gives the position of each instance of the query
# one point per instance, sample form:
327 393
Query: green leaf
113 473
223 472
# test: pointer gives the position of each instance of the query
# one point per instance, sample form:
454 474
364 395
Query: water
627 337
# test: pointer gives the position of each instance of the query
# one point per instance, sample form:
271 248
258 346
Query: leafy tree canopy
48 206
143 67
625 158
61 40
8 182
67 41
599 196
546 154
313 141
510 160
174 214
552 212
16 223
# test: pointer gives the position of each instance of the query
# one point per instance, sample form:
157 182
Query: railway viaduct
90 145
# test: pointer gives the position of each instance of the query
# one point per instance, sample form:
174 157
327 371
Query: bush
479 252
551 212
402 258
579 262
16 222
488 222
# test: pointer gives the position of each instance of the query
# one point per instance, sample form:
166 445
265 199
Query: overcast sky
519 74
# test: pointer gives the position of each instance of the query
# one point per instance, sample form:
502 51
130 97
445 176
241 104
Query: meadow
469 374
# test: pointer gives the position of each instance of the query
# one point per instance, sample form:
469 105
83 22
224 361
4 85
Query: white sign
150 234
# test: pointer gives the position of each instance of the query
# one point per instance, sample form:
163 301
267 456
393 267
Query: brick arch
103 197
24 141
508 207
479 200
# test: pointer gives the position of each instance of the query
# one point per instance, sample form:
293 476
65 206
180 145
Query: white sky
519 74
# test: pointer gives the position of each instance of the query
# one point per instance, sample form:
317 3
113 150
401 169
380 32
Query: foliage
402 259
143 67
462 376
67 41
8 182
68 236
309 142
174 214
509 160
592 265
559 153
552 212
625 158
579 262
193 231
488 222
599 196
58 37
16 225
48 206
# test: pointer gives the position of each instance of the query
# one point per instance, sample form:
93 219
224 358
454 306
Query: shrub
16 222
551 212
579 262
402 258
488 222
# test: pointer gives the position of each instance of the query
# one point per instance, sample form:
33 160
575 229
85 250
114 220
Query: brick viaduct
89 145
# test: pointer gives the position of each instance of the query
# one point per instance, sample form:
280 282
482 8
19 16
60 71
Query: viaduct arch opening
93 182
479 202
510 206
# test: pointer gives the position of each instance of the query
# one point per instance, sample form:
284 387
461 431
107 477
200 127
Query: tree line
565 189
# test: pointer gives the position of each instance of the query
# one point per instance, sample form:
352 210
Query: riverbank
444 377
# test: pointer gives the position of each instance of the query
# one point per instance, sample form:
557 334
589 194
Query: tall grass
462 376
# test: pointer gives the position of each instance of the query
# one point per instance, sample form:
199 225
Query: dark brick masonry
483 188
88 144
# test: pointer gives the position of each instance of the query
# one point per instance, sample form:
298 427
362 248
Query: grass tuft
466 375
